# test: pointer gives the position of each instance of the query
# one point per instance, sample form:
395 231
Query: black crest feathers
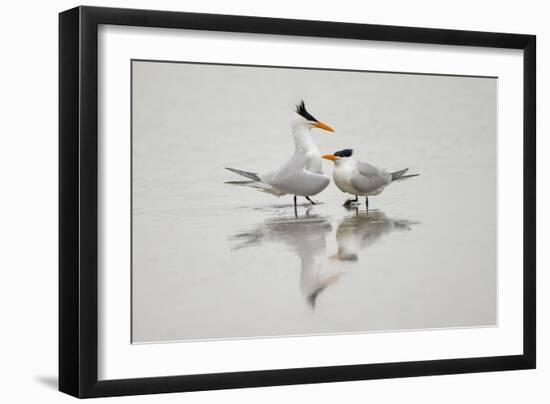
302 111
344 153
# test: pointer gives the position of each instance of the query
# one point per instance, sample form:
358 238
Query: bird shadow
51 382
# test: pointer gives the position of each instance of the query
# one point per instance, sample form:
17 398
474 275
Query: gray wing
369 178
294 178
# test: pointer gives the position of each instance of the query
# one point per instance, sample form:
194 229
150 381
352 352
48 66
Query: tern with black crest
359 178
302 174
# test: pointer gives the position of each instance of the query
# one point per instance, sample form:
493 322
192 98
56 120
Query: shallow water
212 260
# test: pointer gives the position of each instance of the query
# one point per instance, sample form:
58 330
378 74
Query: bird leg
313 203
295 202
295 208
367 203
350 201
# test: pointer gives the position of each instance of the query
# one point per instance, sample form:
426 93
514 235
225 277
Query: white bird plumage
359 178
302 174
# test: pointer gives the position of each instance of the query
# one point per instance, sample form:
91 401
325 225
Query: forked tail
247 174
254 181
400 175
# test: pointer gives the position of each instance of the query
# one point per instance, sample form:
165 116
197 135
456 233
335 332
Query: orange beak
324 126
330 157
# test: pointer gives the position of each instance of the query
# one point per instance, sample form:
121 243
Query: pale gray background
215 261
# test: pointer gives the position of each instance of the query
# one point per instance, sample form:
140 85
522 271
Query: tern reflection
305 236
360 231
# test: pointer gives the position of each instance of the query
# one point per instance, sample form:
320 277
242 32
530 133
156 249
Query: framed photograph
251 201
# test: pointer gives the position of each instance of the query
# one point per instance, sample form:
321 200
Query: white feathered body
359 178
301 175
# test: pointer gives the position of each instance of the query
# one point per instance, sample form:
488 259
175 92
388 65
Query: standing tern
302 175
359 178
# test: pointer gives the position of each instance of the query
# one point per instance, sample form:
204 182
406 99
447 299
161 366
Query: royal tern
302 175
359 178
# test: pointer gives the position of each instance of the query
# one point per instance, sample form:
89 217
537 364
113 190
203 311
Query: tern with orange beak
302 174
359 178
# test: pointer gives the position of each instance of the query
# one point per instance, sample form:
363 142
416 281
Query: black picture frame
78 201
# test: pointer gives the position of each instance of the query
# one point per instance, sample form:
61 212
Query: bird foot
351 202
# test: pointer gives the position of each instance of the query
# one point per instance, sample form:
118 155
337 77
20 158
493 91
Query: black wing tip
302 111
